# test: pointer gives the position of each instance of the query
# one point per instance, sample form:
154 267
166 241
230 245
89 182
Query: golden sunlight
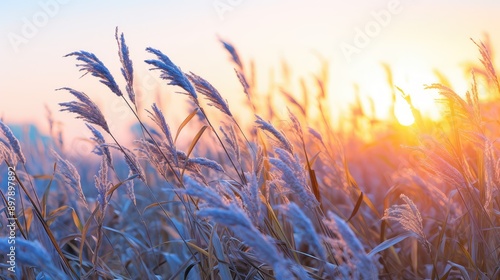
411 76
403 112
424 100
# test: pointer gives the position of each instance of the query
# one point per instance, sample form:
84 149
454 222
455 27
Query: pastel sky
417 37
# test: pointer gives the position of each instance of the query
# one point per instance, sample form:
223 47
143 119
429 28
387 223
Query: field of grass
296 196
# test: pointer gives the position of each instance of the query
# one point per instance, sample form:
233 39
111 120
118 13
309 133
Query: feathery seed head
205 162
131 161
6 153
211 198
68 174
127 67
12 143
250 194
85 109
129 185
231 140
297 128
100 148
91 64
487 62
316 135
294 177
410 219
211 93
158 117
234 54
171 72
133 164
102 185
243 82
282 141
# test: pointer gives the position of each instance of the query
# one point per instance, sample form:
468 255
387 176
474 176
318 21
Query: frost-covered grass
288 197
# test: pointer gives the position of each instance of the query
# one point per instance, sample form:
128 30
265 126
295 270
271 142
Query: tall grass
295 199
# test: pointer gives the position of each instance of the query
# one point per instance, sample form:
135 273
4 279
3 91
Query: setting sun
411 75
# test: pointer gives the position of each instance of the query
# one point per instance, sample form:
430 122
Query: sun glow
410 77
403 112
384 92
424 100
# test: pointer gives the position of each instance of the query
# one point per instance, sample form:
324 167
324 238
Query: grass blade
356 207
185 122
389 243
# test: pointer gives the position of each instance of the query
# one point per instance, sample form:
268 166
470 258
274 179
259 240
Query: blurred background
418 40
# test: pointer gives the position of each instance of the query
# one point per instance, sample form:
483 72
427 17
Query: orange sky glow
415 38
